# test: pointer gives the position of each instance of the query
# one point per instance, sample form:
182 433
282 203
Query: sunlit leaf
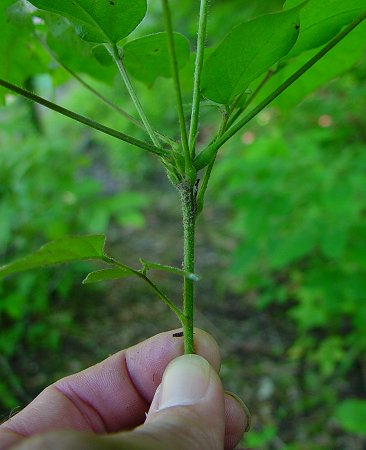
103 21
247 51
67 249
147 58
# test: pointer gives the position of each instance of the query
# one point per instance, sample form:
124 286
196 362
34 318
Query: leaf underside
147 58
322 20
249 50
102 21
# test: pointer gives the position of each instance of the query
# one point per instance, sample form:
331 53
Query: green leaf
338 61
73 52
67 249
20 56
107 275
322 20
247 51
102 21
147 58
351 415
102 55
171 269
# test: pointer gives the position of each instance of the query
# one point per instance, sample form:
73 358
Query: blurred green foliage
292 187
53 181
294 190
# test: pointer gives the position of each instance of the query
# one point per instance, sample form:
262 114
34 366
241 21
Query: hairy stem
188 203
202 29
113 49
84 120
206 156
177 87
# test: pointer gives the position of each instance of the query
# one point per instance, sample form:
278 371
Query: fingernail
244 407
185 381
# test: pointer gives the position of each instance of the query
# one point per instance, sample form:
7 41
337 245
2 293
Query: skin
94 409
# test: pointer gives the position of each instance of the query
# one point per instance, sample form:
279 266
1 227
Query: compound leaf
102 21
247 51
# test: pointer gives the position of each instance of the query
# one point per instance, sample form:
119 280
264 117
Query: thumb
187 412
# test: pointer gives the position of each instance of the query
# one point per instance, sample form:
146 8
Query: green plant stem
153 286
188 203
252 97
84 120
164 297
204 185
226 123
208 154
202 30
177 87
113 49
100 96
87 86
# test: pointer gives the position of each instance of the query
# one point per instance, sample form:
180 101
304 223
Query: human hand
93 409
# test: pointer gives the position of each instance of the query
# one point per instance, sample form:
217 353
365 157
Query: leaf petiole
84 120
202 30
114 51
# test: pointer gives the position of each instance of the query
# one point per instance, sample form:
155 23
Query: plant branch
202 30
188 203
153 286
84 120
165 298
206 178
100 96
206 156
177 87
204 185
113 49
251 98
87 85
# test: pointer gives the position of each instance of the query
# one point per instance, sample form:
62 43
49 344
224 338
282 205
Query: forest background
281 245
